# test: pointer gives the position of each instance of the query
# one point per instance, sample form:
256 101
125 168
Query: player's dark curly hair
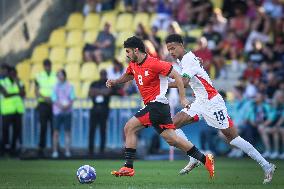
135 42
174 38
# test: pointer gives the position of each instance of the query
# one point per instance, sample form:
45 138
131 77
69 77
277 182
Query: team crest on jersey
146 73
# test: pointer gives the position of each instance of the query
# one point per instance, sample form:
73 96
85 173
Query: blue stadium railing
118 116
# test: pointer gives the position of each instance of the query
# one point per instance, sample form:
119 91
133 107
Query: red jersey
151 78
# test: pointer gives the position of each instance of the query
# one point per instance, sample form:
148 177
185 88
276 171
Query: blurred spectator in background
278 50
98 6
141 32
251 9
280 119
100 96
164 14
252 72
260 28
63 96
44 83
258 113
213 37
12 108
260 53
273 8
4 70
240 23
202 51
231 47
271 128
115 72
89 6
250 88
148 6
102 49
130 5
183 12
174 28
271 85
154 38
219 22
199 11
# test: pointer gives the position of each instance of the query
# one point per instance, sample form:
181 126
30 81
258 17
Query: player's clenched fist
110 83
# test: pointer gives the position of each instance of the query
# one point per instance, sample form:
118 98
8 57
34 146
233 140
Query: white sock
250 151
181 134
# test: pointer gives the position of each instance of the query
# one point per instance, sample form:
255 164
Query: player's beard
133 59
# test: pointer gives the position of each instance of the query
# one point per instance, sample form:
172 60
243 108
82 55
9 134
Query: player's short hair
134 42
174 38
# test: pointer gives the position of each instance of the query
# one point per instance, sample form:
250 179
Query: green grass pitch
48 174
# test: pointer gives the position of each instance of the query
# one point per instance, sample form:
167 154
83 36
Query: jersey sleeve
162 67
190 65
129 70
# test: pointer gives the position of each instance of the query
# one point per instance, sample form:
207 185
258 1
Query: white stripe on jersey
199 79
163 90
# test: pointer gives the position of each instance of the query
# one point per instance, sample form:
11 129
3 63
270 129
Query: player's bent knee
172 141
181 119
132 126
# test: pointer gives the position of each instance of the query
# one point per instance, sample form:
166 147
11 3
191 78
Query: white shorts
214 112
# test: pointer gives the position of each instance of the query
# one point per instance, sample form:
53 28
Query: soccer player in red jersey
209 104
151 75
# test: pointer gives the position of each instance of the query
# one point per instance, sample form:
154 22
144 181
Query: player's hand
185 103
110 83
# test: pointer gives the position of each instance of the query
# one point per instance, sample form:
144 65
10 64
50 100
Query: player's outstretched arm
185 81
179 83
123 79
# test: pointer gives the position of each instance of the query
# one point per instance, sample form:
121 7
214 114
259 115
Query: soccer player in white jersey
209 104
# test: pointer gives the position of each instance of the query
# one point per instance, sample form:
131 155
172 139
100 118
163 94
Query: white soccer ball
86 174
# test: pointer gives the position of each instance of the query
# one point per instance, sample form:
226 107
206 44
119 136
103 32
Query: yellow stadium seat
57 55
122 36
125 22
75 21
152 18
109 17
197 32
72 71
57 38
105 65
36 69
74 55
85 89
75 38
24 70
77 86
57 67
39 54
142 18
90 36
92 22
89 72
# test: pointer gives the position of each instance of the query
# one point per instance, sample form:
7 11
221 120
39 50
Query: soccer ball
86 174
